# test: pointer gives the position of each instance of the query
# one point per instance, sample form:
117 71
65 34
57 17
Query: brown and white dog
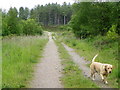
102 69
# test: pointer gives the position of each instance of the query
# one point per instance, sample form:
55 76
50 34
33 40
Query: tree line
95 18
28 22
13 23
52 14
85 18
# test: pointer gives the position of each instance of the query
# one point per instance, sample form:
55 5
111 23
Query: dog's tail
94 57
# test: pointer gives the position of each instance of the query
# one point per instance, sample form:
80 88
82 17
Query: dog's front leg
102 77
105 79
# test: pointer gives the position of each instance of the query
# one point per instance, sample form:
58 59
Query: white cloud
6 4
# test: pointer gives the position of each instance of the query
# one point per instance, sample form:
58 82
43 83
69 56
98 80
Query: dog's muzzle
110 72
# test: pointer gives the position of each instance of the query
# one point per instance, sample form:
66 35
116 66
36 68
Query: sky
6 4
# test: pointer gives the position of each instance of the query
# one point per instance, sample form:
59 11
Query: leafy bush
91 19
12 24
111 33
65 27
30 27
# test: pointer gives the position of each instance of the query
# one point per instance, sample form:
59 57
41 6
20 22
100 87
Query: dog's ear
105 67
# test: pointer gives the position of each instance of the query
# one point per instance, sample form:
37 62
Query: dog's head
108 68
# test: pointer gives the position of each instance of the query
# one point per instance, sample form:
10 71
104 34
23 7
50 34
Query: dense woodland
52 14
85 19
95 18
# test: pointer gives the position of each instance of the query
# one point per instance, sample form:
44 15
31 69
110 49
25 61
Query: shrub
111 33
30 27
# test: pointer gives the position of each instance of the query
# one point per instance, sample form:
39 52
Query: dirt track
47 73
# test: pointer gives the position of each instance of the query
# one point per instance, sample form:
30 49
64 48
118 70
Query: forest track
48 71
83 66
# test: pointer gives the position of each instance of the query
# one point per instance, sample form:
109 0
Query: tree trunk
49 19
64 19
58 21
55 20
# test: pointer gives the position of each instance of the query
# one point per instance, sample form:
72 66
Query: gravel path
82 65
47 74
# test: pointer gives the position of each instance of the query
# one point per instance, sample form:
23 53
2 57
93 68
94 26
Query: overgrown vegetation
105 47
19 54
95 18
72 75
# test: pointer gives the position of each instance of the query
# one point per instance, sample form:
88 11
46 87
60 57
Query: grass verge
19 54
72 75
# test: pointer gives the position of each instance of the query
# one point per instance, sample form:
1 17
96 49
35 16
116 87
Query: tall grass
87 48
20 53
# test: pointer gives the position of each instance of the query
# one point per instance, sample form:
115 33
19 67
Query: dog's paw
106 82
93 79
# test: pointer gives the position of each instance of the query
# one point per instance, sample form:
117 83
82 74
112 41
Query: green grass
0 64
72 75
105 47
20 54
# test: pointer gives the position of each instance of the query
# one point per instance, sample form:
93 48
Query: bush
65 27
30 27
111 33
12 24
